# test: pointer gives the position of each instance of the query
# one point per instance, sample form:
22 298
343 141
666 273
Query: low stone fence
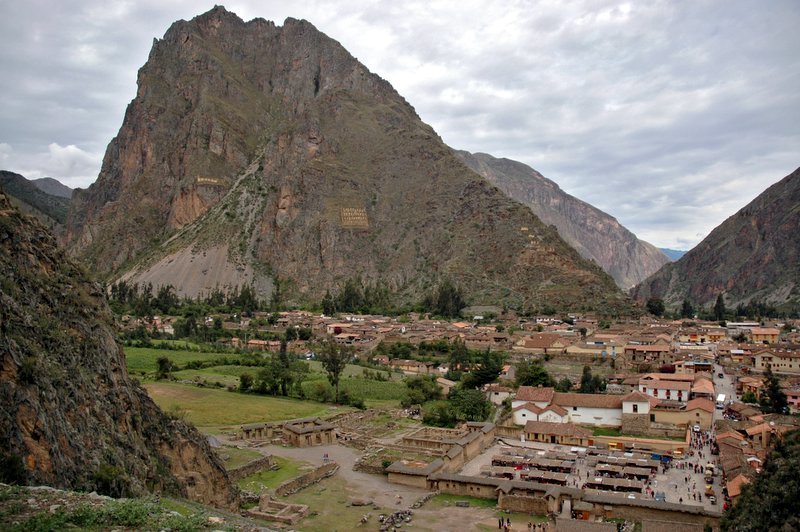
304 481
249 468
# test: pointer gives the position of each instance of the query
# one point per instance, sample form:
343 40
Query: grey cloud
669 116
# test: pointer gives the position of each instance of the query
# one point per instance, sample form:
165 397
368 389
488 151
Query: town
591 421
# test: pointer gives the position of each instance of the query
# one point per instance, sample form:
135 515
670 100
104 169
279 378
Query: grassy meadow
212 408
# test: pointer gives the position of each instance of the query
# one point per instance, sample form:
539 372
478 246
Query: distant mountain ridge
29 196
53 186
673 254
255 153
596 235
753 255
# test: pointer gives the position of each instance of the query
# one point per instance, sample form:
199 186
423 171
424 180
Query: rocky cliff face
596 235
70 412
254 152
753 255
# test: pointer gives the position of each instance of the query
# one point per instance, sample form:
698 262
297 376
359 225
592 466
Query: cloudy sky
668 115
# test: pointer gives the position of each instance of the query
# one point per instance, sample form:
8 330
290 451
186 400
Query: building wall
601 417
683 417
467 489
416 481
523 504
635 423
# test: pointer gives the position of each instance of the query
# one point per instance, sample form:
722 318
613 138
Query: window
574 408
635 408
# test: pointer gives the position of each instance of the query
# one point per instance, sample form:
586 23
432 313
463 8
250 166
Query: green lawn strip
445 500
212 407
145 359
606 431
352 370
208 375
234 457
271 479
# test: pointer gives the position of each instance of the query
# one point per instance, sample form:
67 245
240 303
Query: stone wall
635 423
634 513
250 467
304 481
522 504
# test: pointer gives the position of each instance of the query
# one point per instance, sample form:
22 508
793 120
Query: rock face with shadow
71 416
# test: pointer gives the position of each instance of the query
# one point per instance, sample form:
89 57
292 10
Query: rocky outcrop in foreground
71 416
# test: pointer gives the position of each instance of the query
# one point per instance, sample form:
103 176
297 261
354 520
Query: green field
144 359
234 457
270 479
214 408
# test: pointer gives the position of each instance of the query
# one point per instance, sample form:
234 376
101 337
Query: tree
749 397
164 367
532 373
773 400
564 385
489 369
719 308
328 306
448 301
655 306
245 382
769 502
459 357
591 383
420 389
334 358
469 404
687 310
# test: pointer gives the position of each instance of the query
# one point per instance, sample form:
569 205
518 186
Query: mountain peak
256 154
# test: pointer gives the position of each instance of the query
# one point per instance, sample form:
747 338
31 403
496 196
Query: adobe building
307 432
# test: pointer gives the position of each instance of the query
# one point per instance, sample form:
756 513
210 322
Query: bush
12 469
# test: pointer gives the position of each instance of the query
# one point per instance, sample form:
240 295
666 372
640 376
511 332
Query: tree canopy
770 501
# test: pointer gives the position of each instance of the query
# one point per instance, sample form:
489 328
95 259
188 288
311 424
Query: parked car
720 375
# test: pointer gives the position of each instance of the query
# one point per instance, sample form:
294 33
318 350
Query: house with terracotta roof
698 411
560 433
766 335
591 408
530 412
496 394
674 390
779 360
735 485
542 344
538 395
640 356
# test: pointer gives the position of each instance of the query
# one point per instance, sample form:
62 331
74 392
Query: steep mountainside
254 152
54 187
70 412
753 255
50 209
595 234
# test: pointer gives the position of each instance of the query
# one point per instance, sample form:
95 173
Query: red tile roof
588 400
535 394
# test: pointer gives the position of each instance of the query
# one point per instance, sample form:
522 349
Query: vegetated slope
753 255
50 209
71 415
595 234
52 186
254 152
